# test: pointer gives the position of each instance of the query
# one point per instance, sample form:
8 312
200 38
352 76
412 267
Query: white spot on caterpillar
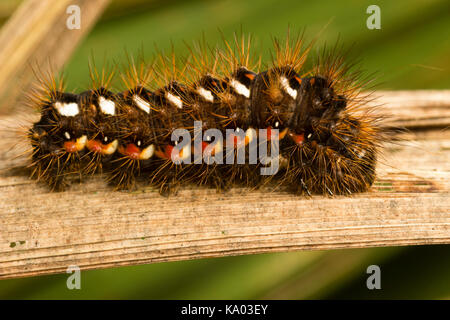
250 134
107 106
361 154
176 101
206 94
111 148
287 87
141 103
277 124
218 146
67 109
81 142
139 143
67 135
240 88
185 152
147 153
309 135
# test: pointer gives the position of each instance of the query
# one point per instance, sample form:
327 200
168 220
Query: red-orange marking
297 138
130 151
70 146
95 146
251 76
204 145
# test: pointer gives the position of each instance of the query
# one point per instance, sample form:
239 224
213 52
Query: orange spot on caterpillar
297 138
99 147
269 133
95 146
75 145
70 146
251 76
204 145
131 151
237 141
272 134
214 149
299 80
167 153
283 134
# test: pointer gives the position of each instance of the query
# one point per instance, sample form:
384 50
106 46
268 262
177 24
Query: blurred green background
411 51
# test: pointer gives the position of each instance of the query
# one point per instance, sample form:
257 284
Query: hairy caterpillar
309 121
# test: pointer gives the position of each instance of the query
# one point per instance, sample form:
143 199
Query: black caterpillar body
326 144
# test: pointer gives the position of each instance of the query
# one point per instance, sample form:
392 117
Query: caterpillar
219 120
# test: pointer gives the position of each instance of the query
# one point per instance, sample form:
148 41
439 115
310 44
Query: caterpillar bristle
290 52
309 121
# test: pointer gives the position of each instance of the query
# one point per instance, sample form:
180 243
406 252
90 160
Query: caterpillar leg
133 159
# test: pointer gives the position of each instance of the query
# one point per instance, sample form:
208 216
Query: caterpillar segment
58 139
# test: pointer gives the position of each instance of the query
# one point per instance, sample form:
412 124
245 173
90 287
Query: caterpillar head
318 110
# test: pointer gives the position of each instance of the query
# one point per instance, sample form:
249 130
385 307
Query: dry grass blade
94 227
37 35
419 109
